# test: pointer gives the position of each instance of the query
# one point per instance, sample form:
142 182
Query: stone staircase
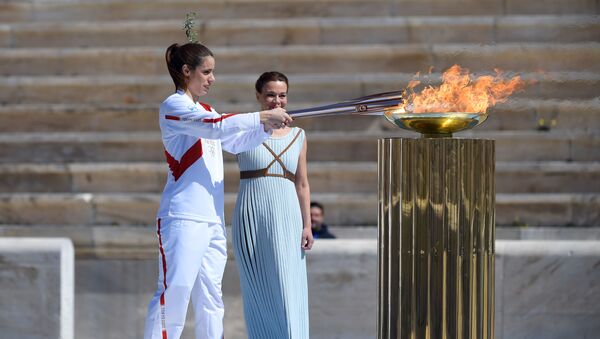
82 80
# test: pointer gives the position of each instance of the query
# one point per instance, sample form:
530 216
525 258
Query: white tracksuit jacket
190 224
193 135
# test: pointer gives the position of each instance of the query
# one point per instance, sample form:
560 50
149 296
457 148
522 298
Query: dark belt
264 173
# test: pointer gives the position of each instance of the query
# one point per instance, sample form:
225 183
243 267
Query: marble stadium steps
306 31
325 177
311 59
114 90
80 161
574 209
323 146
111 10
515 114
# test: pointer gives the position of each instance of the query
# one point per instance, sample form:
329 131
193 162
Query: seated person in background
319 229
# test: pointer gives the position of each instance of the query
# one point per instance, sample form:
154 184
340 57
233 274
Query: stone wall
547 289
36 275
544 289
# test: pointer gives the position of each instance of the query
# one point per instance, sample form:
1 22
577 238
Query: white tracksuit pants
191 261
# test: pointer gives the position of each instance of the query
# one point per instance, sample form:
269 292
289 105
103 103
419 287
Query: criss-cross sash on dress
264 172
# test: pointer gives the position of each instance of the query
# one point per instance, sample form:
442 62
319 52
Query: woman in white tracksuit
190 225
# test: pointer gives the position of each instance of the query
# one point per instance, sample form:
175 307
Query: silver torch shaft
374 104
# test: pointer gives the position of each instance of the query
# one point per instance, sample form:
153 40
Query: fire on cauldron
459 103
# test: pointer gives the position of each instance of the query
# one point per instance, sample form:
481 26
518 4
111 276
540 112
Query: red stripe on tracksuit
206 106
188 159
219 119
164 266
193 153
207 120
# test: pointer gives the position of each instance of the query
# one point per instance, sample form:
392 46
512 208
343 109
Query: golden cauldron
434 125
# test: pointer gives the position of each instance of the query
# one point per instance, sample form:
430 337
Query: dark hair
316 204
270 76
191 54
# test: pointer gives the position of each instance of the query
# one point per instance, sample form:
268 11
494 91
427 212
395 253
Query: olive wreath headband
189 26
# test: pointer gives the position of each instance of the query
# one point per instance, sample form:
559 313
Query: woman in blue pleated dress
272 228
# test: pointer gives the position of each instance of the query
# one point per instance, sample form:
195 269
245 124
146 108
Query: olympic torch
375 104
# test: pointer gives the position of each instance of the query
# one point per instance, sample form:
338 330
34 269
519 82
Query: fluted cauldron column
436 238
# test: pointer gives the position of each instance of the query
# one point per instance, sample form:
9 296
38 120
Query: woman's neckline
283 136
190 97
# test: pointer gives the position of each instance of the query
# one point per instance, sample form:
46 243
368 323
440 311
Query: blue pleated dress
267 233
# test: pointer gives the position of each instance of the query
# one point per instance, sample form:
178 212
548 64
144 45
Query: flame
460 93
